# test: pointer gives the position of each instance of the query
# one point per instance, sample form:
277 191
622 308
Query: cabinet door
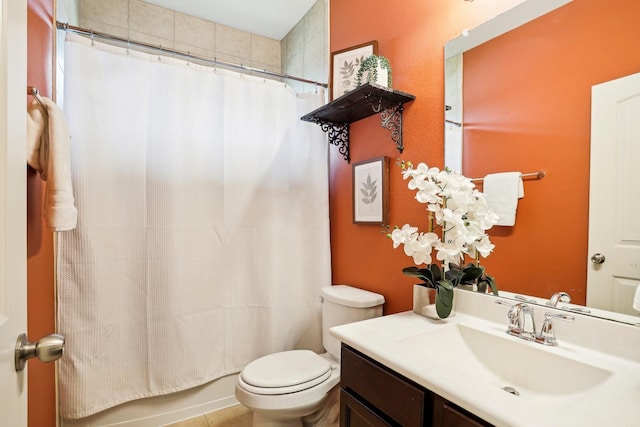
407 404
355 414
446 414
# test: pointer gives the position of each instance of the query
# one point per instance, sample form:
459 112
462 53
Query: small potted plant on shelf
374 69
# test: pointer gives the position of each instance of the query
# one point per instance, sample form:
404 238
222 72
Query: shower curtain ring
159 52
188 58
128 45
92 40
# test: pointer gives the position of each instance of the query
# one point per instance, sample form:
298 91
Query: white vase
382 78
424 302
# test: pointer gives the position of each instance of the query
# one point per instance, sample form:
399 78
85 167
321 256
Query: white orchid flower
459 210
484 246
403 235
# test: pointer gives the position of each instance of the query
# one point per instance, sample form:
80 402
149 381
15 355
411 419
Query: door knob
47 349
598 259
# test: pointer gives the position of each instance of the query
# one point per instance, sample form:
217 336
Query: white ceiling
268 18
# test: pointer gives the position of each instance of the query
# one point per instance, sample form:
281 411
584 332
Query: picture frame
345 64
371 191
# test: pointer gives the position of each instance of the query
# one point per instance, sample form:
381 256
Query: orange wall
411 35
412 38
40 296
537 80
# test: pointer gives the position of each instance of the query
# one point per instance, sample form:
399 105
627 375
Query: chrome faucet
558 297
522 323
518 315
528 328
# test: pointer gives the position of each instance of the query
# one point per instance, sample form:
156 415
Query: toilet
299 387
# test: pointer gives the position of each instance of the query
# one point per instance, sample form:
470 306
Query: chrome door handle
598 259
47 349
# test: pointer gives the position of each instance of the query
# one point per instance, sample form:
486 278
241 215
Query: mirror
528 128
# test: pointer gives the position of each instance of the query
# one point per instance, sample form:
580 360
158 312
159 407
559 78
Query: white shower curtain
203 230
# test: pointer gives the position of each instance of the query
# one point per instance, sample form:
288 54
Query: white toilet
293 387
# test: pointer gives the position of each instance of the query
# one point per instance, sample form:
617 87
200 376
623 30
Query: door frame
13 252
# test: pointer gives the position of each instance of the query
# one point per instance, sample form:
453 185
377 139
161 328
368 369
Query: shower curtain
203 230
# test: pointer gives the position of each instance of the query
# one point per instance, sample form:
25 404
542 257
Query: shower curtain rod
183 55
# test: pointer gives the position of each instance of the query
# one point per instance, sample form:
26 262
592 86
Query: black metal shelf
364 101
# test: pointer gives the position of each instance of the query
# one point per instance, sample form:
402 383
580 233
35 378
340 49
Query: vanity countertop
412 345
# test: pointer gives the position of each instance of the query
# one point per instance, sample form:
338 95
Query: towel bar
536 175
33 91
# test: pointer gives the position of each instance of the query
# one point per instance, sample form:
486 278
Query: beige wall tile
294 65
152 40
266 51
305 50
102 27
263 66
295 39
112 12
232 59
150 19
315 61
314 22
232 41
194 50
69 12
194 31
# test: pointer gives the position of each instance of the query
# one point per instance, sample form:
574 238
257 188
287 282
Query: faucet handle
547 334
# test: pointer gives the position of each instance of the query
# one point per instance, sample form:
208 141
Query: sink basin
503 361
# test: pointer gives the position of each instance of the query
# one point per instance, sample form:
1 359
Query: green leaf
471 273
436 272
454 275
444 298
422 273
489 281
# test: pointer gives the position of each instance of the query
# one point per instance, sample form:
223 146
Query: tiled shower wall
303 52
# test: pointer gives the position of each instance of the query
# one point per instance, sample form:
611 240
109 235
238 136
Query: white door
614 204
13 253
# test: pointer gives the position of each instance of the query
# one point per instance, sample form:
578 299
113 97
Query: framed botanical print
345 64
371 191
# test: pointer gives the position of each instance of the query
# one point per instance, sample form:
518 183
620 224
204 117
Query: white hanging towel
502 191
636 299
48 152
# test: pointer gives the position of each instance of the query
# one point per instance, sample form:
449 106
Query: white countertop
615 402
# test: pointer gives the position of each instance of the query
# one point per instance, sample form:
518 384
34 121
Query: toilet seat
285 372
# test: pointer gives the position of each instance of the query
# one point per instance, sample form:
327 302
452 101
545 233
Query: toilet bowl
306 379
294 388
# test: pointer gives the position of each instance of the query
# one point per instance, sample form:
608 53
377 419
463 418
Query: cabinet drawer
353 413
446 414
384 389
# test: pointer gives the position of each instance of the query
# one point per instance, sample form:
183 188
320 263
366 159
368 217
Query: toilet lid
292 370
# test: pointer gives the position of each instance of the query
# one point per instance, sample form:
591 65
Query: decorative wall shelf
364 101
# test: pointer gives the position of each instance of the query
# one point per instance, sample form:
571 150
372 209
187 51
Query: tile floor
233 416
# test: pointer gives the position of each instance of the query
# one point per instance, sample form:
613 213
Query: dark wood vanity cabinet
373 395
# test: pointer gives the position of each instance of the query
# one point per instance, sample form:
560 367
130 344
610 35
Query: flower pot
380 77
424 302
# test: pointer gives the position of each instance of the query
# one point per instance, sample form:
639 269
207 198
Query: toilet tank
343 304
